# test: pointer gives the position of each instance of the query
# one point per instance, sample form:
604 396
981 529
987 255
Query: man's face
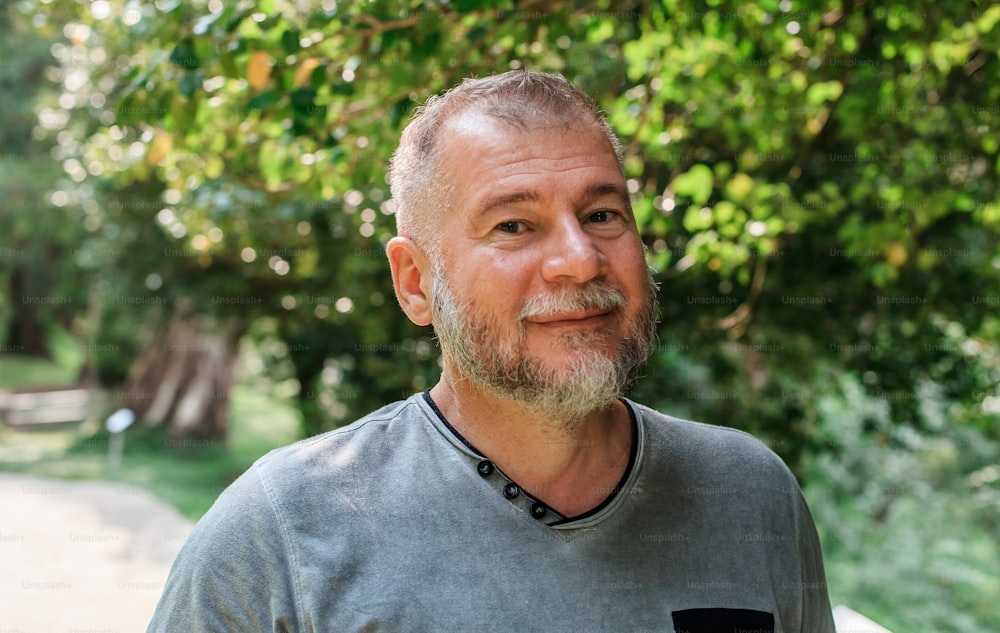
541 294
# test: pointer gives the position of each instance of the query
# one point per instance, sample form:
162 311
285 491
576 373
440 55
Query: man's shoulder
334 459
664 423
698 446
382 429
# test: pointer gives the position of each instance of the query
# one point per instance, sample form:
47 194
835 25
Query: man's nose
572 255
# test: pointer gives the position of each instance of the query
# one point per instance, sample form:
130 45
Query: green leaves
202 26
190 82
696 183
184 55
264 101
739 187
290 41
819 93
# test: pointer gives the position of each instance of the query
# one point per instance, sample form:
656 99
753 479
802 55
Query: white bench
40 408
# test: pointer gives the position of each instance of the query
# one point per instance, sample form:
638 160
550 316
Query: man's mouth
578 318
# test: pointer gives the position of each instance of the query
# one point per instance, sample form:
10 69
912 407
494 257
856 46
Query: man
522 492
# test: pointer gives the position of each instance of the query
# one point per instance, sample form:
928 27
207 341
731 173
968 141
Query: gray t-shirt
396 524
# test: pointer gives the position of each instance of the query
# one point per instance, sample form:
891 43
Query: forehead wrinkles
496 144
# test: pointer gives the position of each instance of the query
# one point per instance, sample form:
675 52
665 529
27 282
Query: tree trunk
183 380
25 332
88 375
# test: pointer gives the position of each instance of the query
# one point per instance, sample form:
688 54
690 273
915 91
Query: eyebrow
597 190
506 200
607 189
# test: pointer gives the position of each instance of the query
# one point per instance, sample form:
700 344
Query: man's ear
411 278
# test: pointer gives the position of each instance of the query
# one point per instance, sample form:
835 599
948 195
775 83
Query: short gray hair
522 99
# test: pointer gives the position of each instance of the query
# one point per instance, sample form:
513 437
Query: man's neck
570 467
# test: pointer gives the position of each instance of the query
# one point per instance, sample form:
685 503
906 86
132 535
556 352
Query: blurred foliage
33 236
908 517
817 183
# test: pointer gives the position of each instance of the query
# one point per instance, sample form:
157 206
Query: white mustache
569 299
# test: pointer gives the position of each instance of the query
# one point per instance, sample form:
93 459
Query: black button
511 490
538 510
485 468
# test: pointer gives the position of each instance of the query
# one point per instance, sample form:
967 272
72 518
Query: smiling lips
572 319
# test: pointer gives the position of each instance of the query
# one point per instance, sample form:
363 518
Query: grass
188 475
16 373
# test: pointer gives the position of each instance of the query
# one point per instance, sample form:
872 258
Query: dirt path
82 557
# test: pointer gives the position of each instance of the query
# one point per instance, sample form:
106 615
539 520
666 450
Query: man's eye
511 227
601 216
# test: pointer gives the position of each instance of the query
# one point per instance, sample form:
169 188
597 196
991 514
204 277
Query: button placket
513 492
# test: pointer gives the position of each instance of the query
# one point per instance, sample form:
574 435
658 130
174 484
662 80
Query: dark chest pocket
723 621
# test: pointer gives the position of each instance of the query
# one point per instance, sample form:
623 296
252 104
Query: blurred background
193 209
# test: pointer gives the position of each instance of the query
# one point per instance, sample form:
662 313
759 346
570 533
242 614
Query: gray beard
504 368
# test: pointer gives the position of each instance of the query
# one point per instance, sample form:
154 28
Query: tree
270 128
33 300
